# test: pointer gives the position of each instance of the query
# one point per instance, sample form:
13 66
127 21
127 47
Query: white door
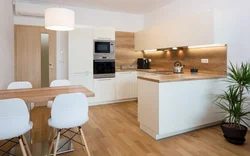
81 50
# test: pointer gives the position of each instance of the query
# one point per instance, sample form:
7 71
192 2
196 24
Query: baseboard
162 136
111 102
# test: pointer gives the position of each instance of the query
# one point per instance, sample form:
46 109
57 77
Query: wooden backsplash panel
191 57
125 54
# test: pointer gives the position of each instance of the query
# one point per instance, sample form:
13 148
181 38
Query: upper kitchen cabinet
200 29
104 34
81 50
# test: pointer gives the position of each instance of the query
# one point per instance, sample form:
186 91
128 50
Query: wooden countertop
180 77
143 70
43 94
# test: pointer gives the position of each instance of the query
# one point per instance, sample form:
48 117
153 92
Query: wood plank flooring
113 130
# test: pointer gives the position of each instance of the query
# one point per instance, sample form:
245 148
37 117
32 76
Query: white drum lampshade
59 19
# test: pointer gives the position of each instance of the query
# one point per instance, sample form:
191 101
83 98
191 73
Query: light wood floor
113 130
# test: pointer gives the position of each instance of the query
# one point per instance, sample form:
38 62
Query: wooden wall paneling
191 57
28 55
126 55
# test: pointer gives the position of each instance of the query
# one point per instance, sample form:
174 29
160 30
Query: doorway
35 55
35 61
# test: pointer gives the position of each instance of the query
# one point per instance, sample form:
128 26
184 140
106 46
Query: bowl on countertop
194 71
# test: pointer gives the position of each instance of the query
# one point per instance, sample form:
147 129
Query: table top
43 94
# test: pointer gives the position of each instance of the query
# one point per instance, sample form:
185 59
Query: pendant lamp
59 19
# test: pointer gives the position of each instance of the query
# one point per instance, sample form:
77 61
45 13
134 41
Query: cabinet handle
126 73
103 38
104 79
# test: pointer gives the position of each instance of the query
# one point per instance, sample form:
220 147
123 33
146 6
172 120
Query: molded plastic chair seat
21 85
69 111
15 121
14 130
58 83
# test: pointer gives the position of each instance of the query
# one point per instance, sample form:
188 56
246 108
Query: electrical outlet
204 60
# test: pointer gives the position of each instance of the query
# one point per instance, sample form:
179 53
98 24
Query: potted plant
234 103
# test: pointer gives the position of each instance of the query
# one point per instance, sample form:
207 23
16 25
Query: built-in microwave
104 68
104 48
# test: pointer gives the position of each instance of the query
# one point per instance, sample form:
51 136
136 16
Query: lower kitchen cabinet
85 79
126 85
104 90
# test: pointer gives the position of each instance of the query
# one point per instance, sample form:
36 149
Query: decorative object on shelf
194 70
233 103
59 19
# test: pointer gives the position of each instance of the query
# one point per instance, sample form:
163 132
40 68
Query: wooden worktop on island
180 77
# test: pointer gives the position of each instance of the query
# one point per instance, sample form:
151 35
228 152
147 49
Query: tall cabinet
81 58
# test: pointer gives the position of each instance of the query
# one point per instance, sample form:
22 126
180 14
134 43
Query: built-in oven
104 48
104 68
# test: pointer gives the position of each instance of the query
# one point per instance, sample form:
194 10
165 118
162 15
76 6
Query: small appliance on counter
143 63
178 67
194 70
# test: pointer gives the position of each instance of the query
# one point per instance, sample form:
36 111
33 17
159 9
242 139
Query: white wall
84 17
119 21
236 26
6 44
62 55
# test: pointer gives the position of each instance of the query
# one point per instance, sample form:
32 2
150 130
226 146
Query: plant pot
234 135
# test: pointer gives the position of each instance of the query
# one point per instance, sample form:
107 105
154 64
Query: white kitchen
124 77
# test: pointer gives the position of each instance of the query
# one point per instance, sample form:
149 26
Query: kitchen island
172 104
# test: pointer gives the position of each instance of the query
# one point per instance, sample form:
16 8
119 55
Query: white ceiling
128 6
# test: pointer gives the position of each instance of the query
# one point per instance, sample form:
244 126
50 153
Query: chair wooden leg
84 141
27 145
22 147
52 141
57 142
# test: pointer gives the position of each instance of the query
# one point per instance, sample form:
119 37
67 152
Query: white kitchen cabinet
81 50
81 58
104 90
201 29
85 79
126 85
104 33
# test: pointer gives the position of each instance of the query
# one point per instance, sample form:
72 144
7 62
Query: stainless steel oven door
104 68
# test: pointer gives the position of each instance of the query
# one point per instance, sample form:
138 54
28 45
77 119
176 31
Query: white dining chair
69 111
58 83
15 122
21 85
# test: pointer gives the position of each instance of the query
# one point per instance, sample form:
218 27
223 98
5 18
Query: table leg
28 134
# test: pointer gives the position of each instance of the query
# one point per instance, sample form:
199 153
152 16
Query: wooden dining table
42 95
